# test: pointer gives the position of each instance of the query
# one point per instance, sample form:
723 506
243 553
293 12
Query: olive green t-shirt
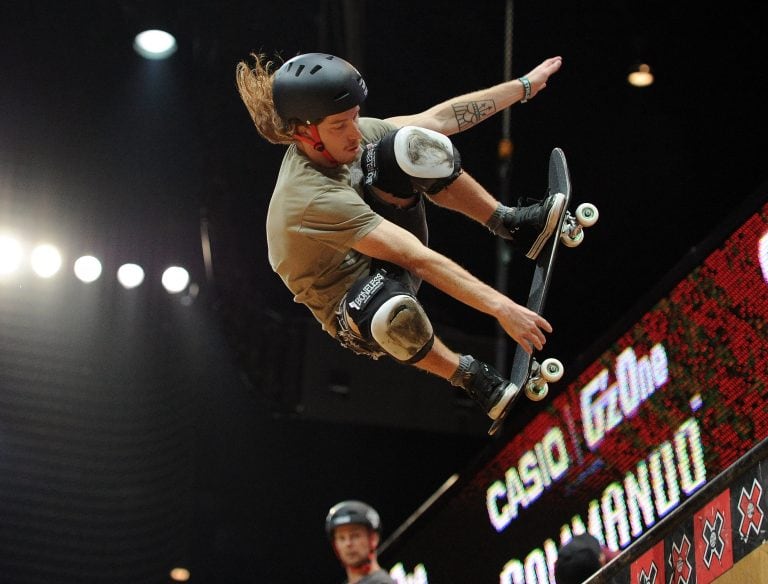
315 216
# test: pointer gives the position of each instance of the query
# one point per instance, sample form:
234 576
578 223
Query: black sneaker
488 388
530 227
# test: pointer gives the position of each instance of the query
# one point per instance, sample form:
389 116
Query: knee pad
411 160
402 329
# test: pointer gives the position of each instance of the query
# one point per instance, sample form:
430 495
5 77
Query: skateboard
528 374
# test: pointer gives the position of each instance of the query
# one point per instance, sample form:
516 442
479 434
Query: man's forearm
455 281
466 111
391 243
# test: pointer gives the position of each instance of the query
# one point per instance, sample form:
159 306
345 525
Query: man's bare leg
440 361
466 195
483 383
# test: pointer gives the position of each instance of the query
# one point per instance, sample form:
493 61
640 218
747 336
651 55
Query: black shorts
360 303
367 294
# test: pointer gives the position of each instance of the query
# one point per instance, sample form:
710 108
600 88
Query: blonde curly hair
254 83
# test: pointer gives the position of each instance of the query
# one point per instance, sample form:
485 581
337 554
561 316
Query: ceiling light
180 575
10 254
175 279
130 275
154 44
46 260
87 269
640 75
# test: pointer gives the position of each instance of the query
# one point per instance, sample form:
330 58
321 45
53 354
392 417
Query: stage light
154 44
640 75
87 269
180 575
175 279
45 260
10 254
130 275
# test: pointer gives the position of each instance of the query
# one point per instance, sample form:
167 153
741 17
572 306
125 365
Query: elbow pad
411 160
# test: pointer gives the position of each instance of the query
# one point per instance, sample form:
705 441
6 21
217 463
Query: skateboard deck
527 374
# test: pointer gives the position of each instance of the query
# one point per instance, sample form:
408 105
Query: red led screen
675 400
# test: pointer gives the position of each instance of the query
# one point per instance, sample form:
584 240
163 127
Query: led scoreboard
675 400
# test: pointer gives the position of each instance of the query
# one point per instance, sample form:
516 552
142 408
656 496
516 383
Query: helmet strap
315 142
363 567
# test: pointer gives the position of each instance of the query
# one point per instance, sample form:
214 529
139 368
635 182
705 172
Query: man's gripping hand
525 326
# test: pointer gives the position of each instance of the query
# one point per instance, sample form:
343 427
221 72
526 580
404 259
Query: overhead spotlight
175 279
640 75
180 575
45 260
130 275
10 254
87 269
154 44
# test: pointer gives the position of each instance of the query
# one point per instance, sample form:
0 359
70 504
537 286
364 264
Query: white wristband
526 88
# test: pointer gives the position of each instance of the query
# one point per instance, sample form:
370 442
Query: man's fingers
543 323
529 346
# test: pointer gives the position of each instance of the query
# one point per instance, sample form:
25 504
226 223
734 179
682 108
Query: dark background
102 150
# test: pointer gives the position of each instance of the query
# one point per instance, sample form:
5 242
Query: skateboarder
346 226
354 529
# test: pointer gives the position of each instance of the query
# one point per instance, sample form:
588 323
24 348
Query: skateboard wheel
536 392
572 240
551 370
587 214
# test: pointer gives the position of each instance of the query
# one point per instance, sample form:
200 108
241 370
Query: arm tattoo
470 113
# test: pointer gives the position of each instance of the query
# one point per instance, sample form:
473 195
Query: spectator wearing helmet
354 529
346 225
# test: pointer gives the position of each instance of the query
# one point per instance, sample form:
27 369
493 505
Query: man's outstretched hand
539 75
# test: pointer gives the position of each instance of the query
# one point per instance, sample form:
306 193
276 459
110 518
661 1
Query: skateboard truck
572 233
548 371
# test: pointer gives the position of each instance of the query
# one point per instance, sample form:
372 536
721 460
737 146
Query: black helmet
352 512
315 85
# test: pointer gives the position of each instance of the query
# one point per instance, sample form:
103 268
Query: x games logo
650 577
680 563
751 513
713 539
